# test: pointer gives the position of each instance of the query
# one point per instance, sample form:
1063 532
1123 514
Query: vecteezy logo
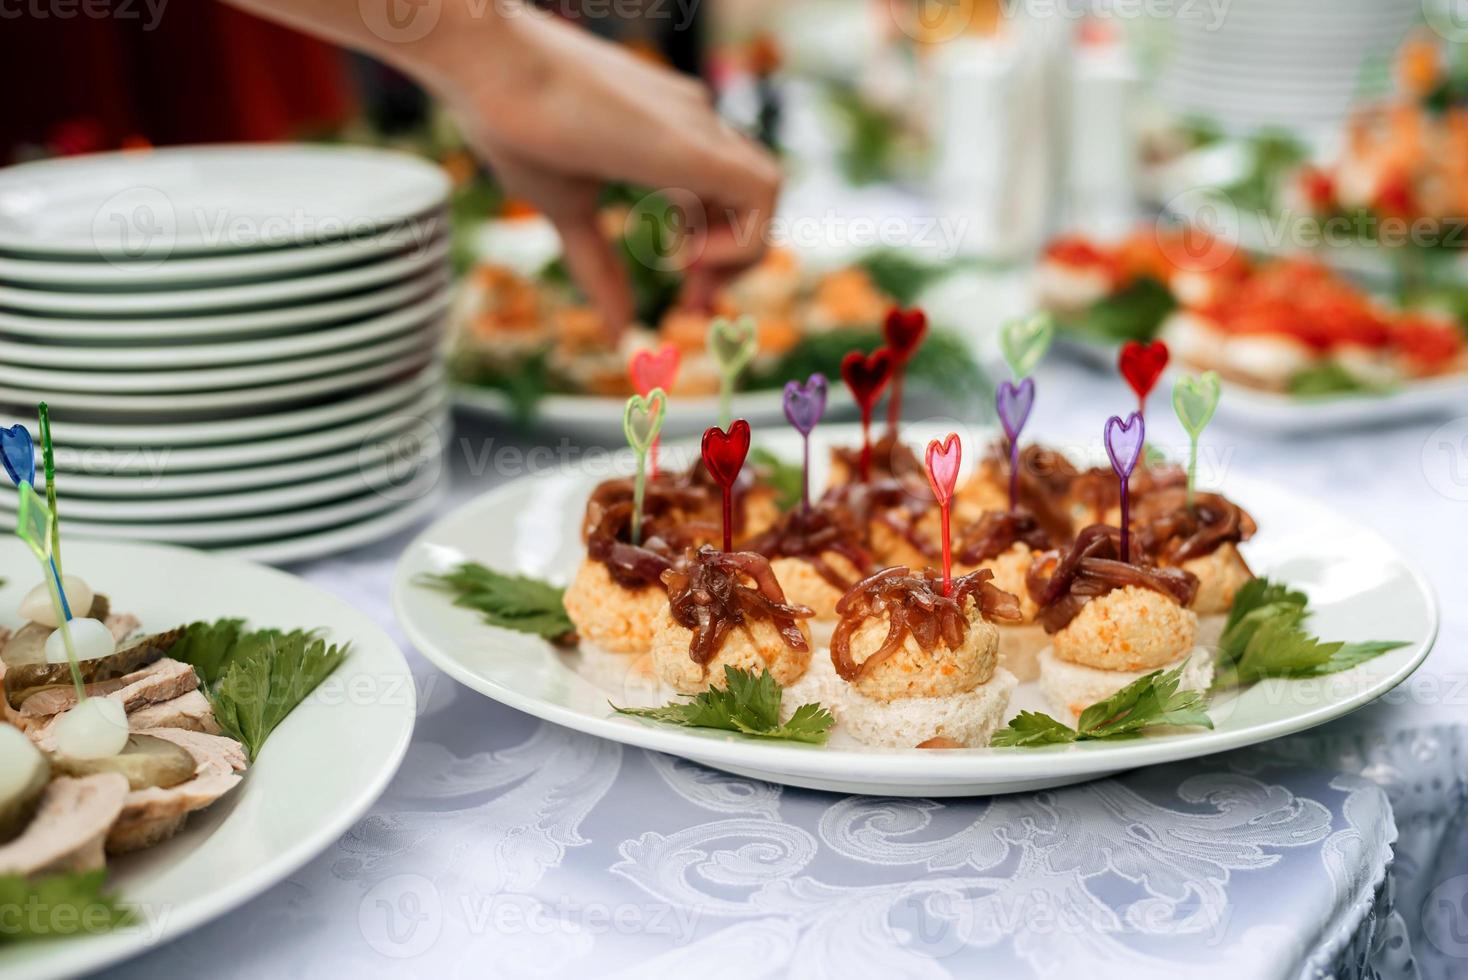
401 458
1445 459
136 226
401 916
400 21
1447 18
1445 917
932 21
1208 234
666 230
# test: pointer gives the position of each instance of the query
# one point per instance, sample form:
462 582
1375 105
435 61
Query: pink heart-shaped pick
943 460
1124 442
654 369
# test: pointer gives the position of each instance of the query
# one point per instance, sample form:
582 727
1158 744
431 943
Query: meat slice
152 815
189 711
162 680
69 828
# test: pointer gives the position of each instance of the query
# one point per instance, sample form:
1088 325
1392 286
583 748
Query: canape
919 665
726 609
817 555
1201 539
1111 621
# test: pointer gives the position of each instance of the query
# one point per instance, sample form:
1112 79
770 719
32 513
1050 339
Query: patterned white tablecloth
508 847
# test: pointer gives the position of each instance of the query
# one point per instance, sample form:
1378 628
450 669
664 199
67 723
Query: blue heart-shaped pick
18 454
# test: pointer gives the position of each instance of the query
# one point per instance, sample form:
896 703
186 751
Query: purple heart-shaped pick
1014 404
806 403
18 454
1124 442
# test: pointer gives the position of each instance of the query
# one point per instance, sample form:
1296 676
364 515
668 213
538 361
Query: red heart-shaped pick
943 461
724 452
905 330
1142 364
867 375
654 369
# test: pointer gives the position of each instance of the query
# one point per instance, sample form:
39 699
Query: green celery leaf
59 905
514 602
270 675
749 704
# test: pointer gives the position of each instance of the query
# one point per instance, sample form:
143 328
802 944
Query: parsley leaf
54 906
514 602
1329 378
1134 312
1264 636
748 704
255 679
1150 701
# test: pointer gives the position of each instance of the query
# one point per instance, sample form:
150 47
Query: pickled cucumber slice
147 761
27 679
24 773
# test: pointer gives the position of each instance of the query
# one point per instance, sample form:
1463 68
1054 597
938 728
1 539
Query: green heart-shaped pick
1025 341
642 419
33 523
732 344
1194 398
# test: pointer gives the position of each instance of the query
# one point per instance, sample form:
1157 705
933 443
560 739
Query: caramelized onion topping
914 605
999 530
828 528
1044 484
1171 532
1062 583
1097 489
609 541
708 595
890 503
892 459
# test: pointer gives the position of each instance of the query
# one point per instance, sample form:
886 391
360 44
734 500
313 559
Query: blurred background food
1276 189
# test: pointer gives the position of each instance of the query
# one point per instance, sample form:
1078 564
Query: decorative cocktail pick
904 331
48 462
867 375
18 454
33 527
943 460
732 344
1024 343
1014 404
1141 364
1124 445
654 369
1194 399
642 420
804 405
723 454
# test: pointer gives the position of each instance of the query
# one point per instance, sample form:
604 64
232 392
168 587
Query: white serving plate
210 199
301 317
170 355
223 374
315 778
1359 585
224 269
229 442
400 433
224 299
334 541
177 405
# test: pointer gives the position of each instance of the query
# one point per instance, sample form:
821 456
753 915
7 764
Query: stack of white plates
240 346
1293 64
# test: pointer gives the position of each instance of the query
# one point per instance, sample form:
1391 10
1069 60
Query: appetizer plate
298 317
225 298
194 199
1359 587
170 355
315 778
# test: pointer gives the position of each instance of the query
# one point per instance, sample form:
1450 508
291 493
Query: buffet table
510 847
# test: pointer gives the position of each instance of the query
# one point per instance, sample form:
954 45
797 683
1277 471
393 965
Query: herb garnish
1264 637
255 679
514 602
1151 701
748 704
784 478
66 905
1134 312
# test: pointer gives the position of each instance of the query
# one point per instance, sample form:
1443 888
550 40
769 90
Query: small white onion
36 606
19 760
94 729
91 638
